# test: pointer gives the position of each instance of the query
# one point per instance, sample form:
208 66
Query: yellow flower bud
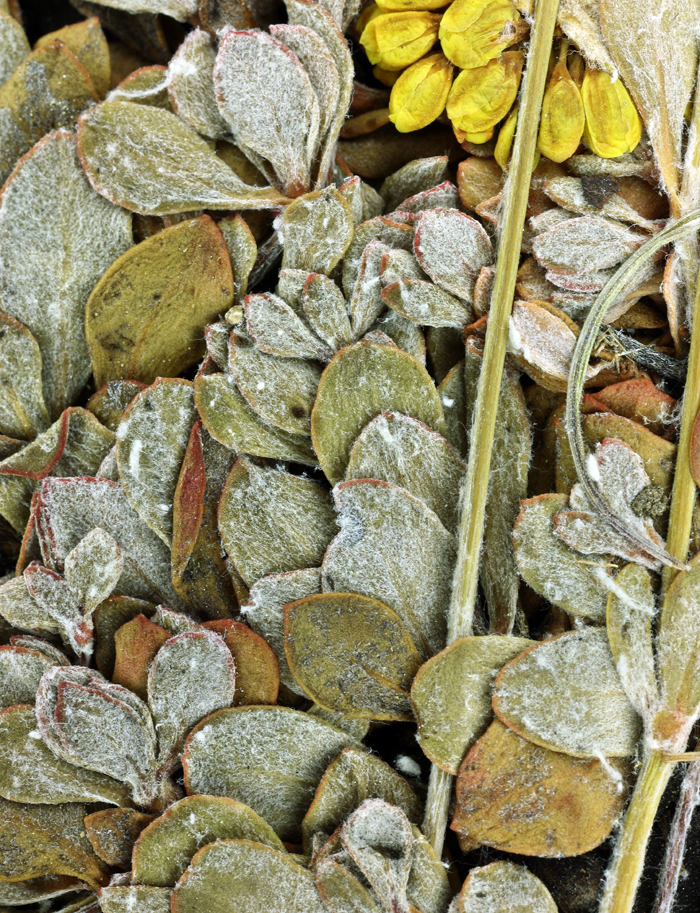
420 93
562 119
504 143
401 6
396 40
482 96
363 20
473 32
613 126
506 134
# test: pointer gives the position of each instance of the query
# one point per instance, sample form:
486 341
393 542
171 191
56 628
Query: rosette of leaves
245 93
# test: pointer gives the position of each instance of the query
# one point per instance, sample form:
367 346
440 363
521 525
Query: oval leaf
451 695
574 673
352 655
165 848
172 285
191 677
271 758
362 381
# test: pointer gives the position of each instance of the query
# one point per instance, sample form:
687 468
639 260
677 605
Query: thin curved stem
577 377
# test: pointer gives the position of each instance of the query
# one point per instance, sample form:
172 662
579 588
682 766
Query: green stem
628 859
484 421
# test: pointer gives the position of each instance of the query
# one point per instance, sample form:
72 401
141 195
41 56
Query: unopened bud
483 96
396 40
473 32
420 93
613 126
562 119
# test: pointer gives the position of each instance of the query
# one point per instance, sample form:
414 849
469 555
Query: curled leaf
81 716
352 778
191 85
264 611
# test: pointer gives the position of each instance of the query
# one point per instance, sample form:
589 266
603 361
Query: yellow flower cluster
475 78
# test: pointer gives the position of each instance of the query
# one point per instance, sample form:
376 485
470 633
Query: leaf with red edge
34 105
191 676
71 508
83 719
113 832
257 667
452 248
137 642
74 445
199 571
265 96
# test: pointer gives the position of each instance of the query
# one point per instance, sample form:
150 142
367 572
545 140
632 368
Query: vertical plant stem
484 422
675 849
628 859
683 495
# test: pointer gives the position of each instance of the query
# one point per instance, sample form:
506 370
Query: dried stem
484 421
683 495
675 849
628 859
